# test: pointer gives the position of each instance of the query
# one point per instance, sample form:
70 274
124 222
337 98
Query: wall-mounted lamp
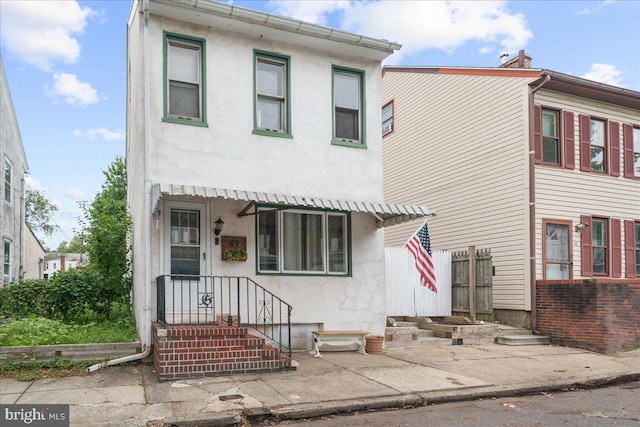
217 230
579 227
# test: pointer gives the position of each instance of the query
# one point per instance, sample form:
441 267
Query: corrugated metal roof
386 214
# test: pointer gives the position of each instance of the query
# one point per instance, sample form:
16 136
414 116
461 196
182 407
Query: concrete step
403 333
523 340
405 324
420 342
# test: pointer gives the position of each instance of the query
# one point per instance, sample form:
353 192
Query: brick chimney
523 60
61 262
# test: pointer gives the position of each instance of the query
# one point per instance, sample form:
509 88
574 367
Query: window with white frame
600 245
6 260
184 79
598 145
8 168
302 242
387 118
348 120
272 94
636 151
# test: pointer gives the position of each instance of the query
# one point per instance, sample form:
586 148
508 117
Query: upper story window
302 242
387 118
184 63
594 146
7 180
636 152
272 99
598 145
550 137
348 106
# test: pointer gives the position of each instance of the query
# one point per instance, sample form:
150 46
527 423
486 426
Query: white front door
185 245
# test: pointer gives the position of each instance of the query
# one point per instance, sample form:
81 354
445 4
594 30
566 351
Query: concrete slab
107 377
419 378
95 396
337 385
9 399
11 386
355 360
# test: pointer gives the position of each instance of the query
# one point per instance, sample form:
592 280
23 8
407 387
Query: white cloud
605 73
75 193
73 90
420 25
106 134
43 32
35 185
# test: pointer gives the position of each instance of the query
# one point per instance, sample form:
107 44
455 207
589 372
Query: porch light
579 227
217 230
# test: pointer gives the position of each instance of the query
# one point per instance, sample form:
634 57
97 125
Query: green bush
74 296
34 331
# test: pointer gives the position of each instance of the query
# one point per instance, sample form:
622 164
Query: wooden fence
405 295
469 285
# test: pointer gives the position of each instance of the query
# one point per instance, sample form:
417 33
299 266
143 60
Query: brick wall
600 315
194 351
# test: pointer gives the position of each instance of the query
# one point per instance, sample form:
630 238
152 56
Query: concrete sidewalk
337 382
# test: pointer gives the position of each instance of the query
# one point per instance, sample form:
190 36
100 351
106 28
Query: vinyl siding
460 147
567 194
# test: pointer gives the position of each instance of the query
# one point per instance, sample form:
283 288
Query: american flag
420 247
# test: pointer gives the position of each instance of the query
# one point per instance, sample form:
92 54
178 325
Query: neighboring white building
271 125
14 166
59 261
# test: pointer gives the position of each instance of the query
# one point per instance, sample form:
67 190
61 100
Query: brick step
174 372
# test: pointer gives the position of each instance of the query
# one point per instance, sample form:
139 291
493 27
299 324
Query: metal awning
385 214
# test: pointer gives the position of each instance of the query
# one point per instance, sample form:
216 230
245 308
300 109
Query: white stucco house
268 127
14 168
62 261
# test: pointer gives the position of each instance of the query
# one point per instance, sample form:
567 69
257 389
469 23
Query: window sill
348 143
185 122
273 134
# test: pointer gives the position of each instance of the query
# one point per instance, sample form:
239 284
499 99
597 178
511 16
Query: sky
66 65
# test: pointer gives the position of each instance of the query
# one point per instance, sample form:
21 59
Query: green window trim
360 141
260 56
326 213
199 44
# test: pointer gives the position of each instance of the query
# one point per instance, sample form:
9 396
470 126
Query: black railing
195 300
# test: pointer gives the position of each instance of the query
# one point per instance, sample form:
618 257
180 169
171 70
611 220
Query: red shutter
537 133
614 132
616 248
630 249
627 135
585 143
585 248
569 140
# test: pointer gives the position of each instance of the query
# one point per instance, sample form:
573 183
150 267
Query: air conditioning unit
386 128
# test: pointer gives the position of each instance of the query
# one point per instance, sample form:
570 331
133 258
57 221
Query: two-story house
254 161
62 261
14 167
541 167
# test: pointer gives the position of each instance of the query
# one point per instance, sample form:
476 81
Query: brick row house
541 167
254 163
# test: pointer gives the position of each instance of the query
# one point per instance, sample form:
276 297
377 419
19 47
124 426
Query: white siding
567 194
460 147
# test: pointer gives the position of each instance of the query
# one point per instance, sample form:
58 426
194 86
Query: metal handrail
190 300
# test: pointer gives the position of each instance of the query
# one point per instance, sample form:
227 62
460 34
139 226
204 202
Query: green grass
32 331
31 371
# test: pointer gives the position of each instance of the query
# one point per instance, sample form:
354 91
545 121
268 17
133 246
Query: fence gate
472 284
405 295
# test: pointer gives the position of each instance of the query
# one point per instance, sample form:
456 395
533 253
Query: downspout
532 203
147 178
146 339
23 214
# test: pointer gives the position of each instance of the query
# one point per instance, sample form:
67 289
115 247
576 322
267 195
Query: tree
74 246
107 225
39 212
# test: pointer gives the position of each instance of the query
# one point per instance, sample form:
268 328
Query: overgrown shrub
74 296
34 331
26 297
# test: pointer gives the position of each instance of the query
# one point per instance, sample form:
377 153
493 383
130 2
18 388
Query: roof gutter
532 202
